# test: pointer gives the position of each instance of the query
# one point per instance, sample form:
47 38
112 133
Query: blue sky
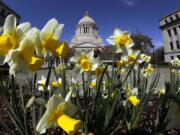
131 15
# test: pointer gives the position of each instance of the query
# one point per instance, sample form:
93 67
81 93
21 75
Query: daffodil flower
56 84
60 68
159 91
175 62
121 40
49 36
92 85
97 69
144 58
23 58
41 83
59 112
131 94
83 61
12 35
122 62
148 71
134 100
132 55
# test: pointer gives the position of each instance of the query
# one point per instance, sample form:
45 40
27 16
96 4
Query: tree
143 43
159 55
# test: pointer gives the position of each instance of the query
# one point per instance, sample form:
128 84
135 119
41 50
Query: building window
166 21
2 13
177 43
175 31
84 30
171 19
177 17
169 32
171 45
172 57
178 56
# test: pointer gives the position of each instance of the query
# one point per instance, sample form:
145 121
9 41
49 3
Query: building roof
174 12
86 19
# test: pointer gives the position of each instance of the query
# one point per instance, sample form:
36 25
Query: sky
129 15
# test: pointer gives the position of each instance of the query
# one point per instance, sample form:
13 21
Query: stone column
90 30
82 30
173 39
178 33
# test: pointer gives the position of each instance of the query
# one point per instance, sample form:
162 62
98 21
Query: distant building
5 11
86 35
170 27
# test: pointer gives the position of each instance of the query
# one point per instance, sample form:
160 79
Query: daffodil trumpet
59 112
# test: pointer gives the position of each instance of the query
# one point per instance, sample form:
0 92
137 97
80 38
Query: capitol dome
86 19
86 34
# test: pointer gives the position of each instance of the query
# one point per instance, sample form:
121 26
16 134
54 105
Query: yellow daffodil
59 112
23 58
148 71
173 117
60 68
121 39
122 62
132 55
134 100
92 85
49 36
162 91
175 62
56 84
144 57
12 35
84 61
131 94
98 71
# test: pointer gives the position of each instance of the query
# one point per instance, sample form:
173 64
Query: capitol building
86 35
87 38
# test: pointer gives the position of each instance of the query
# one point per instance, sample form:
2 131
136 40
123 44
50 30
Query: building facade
5 11
86 35
170 28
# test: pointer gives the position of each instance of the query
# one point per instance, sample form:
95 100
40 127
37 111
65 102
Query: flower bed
96 98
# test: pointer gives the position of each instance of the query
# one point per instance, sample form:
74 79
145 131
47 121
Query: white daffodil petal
58 31
43 123
32 33
68 96
73 59
54 102
94 66
111 40
10 24
23 28
135 91
49 28
117 32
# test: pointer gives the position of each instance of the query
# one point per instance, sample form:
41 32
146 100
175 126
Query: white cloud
130 3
